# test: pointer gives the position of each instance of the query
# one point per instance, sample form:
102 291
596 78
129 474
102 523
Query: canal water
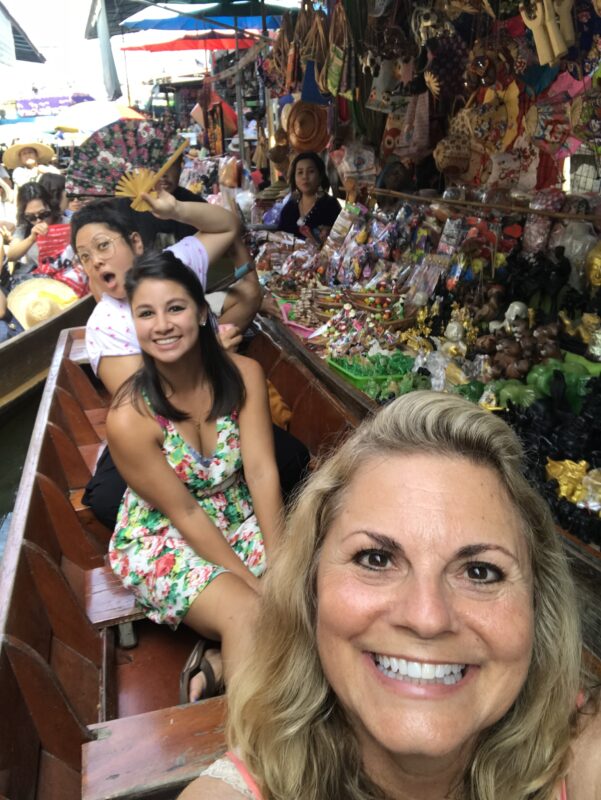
15 433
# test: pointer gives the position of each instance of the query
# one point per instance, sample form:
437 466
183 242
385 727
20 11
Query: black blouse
323 213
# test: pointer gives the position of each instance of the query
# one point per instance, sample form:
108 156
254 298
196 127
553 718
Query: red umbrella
200 42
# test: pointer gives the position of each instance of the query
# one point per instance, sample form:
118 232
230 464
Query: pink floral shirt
110 329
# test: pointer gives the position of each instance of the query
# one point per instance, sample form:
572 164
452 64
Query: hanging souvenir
380 96
541 17
586 119
378 8
292 68
548 123
392 138
337 74
313 56
494 120
516 168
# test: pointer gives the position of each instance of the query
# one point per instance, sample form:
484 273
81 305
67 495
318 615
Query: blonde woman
419 636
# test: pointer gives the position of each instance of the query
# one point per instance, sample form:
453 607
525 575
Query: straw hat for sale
285 115
39 299
279 155
11 158
307 127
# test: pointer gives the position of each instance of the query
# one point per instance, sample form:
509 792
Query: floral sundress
150 556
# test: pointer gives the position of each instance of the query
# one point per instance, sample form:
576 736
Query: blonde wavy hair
284 719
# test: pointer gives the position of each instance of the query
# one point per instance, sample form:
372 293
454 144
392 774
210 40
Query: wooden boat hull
80 715
25 360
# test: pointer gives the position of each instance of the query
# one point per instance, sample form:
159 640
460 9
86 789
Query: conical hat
38 299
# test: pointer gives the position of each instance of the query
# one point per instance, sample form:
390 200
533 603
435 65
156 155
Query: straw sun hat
39 299
11 158
307 127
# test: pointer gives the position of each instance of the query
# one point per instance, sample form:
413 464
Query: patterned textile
118 148
152 558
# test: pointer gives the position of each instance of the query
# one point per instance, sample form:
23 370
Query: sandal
196 663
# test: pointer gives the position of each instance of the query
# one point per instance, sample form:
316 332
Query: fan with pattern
126 157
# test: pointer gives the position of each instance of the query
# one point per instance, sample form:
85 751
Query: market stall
467 256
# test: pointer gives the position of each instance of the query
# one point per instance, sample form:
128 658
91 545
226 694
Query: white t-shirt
110 328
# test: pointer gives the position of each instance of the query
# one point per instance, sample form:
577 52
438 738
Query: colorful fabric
120 147
151 557
110 328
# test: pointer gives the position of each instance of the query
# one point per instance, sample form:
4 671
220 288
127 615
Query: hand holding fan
143 180
117 149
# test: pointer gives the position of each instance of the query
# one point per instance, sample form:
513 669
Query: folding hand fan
139 180
126 145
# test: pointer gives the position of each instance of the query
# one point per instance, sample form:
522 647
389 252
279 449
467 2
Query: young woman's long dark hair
221 372
55 186
33 191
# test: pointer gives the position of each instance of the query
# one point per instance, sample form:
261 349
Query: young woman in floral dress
191 434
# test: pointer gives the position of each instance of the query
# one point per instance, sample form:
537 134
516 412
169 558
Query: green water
15 433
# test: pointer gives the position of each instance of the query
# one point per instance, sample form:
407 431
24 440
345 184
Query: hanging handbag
332 72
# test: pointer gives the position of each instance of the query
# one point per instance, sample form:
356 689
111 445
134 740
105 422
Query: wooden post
239 104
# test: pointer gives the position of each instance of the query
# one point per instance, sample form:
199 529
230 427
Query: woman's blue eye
482 572
373 559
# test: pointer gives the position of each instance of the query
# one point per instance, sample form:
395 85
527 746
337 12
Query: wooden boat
25 360
82 712
89 689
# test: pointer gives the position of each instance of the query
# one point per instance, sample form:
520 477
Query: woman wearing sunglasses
36 211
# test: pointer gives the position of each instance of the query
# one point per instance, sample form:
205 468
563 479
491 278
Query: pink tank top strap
246 776
563 791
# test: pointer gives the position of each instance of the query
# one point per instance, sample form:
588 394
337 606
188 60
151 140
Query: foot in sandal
202 675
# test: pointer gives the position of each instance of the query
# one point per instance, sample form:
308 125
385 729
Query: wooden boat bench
99 593
154 754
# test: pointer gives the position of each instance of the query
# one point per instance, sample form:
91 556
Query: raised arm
217 228
19 247
258 456
135 444
243 298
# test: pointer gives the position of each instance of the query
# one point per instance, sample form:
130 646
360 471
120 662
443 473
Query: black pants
106 487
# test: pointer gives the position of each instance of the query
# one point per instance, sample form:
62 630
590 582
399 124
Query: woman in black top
310 212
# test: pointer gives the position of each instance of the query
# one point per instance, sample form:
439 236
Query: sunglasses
39 217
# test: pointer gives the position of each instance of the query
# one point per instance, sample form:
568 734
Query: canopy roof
203 41
24 47
155 17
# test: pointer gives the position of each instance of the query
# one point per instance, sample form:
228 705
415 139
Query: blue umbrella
166 20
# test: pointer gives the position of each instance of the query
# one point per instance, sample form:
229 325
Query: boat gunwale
18 523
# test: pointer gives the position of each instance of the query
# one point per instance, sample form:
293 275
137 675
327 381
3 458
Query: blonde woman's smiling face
425 609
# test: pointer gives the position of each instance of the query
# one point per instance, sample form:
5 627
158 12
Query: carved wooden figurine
536 22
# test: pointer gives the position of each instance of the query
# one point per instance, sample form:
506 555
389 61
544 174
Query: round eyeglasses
101 246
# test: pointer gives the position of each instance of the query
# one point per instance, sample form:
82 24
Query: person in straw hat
28 160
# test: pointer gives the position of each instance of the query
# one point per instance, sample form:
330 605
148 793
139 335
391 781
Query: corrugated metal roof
24 47
116 11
